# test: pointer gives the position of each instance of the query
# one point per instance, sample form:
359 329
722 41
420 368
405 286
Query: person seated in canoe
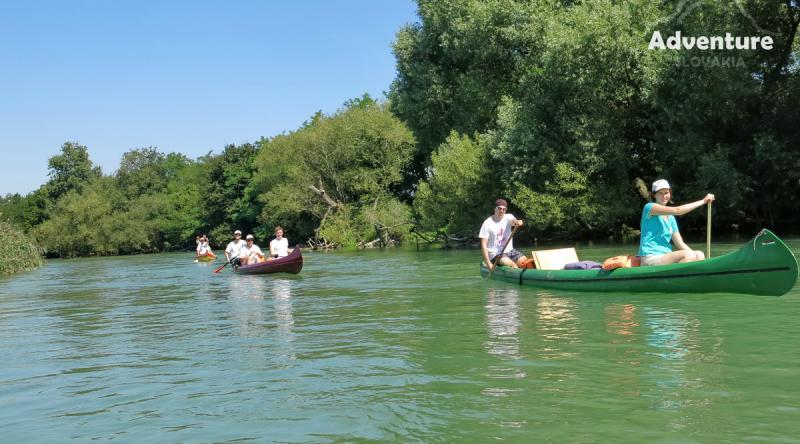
203 249
279 247
495 231
234 249
660 229
251 253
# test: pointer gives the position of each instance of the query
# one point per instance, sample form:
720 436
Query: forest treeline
560 107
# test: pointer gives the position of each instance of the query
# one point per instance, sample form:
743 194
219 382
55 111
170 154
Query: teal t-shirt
656 233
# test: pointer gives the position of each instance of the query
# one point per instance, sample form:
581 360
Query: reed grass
17 251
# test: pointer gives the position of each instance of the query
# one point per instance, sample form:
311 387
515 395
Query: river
387 346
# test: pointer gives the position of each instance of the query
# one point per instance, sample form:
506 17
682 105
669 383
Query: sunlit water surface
384 346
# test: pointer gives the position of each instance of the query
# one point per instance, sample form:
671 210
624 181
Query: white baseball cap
237 232
249 236
660 184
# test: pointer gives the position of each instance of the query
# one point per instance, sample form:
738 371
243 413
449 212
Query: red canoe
292 263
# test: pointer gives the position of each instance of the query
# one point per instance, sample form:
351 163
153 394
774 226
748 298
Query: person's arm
272 249
677 239
485 252
661 210
510 218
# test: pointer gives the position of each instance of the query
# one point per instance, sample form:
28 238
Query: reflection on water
503 322
249 307
625 335
282 302
557 325
503 327
621 321
246 299
671 339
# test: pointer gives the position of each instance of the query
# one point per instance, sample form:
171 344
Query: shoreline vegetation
559 108
17 252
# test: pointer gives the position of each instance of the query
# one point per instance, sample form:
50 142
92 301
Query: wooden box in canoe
292 263
763 266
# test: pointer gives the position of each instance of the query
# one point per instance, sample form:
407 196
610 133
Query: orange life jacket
615 262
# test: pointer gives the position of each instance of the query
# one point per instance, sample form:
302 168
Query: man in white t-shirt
495 231
278 247
234 248
251 253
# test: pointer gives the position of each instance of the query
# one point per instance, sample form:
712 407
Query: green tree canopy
333 169
69 170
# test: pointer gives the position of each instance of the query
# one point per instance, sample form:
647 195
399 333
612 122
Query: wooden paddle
497 258
225 265
708 233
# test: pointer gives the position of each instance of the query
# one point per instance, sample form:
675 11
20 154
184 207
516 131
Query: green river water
384 346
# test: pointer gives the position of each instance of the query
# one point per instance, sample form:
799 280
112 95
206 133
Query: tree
337 170
142 171
227 184
69 170
461 185
455 66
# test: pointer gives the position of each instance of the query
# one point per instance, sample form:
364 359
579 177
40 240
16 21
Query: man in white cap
234 249
660 229
251 253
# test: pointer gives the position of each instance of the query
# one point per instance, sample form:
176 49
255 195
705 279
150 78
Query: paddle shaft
225 265
708 233
502 250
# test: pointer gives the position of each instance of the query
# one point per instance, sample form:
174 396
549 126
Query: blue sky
183 76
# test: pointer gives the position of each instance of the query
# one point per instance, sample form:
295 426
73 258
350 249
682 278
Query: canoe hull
206 258
292 263
763 266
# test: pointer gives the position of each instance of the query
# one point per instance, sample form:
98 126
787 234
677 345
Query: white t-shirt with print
496 234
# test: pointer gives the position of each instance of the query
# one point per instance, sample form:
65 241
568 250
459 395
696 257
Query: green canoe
763 266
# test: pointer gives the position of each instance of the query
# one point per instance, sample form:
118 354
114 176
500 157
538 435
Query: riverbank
17 252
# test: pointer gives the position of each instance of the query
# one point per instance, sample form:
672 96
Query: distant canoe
763 266
292 263
210 257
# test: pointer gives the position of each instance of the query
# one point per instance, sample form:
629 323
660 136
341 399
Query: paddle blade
220 268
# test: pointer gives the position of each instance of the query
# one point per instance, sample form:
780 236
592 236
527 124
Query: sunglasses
501 208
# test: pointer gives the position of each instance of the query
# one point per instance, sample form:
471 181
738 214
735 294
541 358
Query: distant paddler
203 251
251 253
279 247
234 249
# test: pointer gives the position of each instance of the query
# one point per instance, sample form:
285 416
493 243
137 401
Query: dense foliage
334 179
332 182
571 108
17 252
560 107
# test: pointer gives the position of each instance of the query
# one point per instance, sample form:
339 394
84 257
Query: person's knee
699 256
505 260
